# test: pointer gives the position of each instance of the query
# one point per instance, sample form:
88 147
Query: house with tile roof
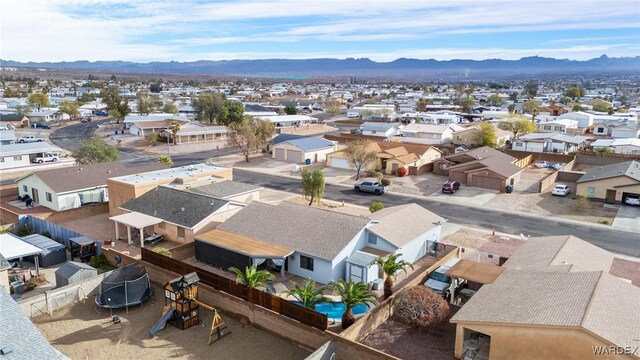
611 183
556 298
308 149
321 244
483 167
75 186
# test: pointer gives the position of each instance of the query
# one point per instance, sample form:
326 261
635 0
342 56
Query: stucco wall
322 269
4 280
602 186
34 182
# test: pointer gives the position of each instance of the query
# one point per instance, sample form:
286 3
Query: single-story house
584 119
177 215
320 244
7 137
428 134
72 187
550 142
46 115
555 109
194 132
619 146
483 167
136 118
16 120
229 190
282 138
469 136
390 157
379 129
21 155
288 120
557 126
611 183
553 300
144 128
616 129
312 149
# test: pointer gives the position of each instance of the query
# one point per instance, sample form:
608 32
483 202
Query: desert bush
101 262
420 306
379 175
376 206
385 182
402 172
162 251
581 202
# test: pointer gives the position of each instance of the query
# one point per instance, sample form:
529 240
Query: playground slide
161 323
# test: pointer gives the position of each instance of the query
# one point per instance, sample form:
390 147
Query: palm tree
353 293
309 294
390 266
174 126
251 276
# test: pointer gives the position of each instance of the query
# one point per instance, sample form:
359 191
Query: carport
12 247
135 220
473 271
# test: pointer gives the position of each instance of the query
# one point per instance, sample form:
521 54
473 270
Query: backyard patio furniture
153 239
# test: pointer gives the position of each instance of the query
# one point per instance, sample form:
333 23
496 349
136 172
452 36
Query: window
490 256
17 158
559 128
306 262
180 232
519 143
373 239
48 196
547 127
25 188
442 166
373 132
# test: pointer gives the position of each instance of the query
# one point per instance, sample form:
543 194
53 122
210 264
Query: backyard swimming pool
334 310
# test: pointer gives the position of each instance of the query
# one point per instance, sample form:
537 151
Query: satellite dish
118 259
524 237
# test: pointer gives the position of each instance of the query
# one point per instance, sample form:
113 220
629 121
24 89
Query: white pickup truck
46 157
30 139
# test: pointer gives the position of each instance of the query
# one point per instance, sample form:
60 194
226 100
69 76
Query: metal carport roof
12 247
474 271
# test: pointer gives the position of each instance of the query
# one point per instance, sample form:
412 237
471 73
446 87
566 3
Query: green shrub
101 262
376 206
385 182
604 222
162 251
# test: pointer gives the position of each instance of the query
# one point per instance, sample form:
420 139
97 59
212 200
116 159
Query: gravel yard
81 333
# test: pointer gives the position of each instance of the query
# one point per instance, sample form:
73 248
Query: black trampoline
124 287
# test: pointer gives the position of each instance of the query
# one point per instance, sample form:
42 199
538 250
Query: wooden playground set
182 308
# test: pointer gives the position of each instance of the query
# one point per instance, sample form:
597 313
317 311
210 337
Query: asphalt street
613 240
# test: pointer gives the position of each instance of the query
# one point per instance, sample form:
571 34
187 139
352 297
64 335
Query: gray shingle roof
43 242
403 223
310 143
312 231
224 189
285 137
375 126
18 332
175 206
361 258
627 168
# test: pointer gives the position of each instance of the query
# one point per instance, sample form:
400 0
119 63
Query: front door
35 196
610 199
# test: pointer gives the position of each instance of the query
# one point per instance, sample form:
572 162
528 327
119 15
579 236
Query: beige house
195 133
307 149
124 188
611 183
555 300
390 157
468 136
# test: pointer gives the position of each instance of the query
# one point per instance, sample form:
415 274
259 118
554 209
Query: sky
191 30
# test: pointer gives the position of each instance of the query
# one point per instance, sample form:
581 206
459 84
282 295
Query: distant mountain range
400 68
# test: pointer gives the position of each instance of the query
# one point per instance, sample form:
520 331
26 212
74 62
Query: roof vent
181 209
6 350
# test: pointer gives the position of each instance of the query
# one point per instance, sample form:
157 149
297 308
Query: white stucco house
549 142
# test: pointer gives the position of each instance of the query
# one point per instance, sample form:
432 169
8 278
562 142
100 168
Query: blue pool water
334 310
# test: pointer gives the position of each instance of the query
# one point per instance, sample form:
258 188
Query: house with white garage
619 146
550 142
303 150
71 187
321 244
584 119
383 130
428 134
15 156
557 126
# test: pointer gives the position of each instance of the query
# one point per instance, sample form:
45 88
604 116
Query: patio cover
474 271
12 247
82 240
136 220
244 245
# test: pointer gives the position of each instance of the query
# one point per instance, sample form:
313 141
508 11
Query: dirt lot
80 333
398 339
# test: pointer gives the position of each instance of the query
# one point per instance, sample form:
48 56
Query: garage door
458 176
340 163
486 182
280 154
294 156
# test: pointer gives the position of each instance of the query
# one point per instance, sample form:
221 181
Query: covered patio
134 220
224 249
12 248
480 273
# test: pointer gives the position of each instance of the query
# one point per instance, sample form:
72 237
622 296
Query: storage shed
74 272
54 252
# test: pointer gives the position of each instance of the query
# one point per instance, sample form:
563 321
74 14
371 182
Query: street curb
426 198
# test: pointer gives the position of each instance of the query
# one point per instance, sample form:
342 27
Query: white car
561 190
633 201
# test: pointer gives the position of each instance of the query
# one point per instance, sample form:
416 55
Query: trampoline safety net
126 286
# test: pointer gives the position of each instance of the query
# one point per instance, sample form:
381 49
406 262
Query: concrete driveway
466 196
627 218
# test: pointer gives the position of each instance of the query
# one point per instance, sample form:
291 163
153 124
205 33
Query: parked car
87 119
101 113
373 187
41 126
560 190
46 157
450 187
632 200
438 281
30 139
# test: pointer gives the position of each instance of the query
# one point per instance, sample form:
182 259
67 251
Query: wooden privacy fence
261 298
